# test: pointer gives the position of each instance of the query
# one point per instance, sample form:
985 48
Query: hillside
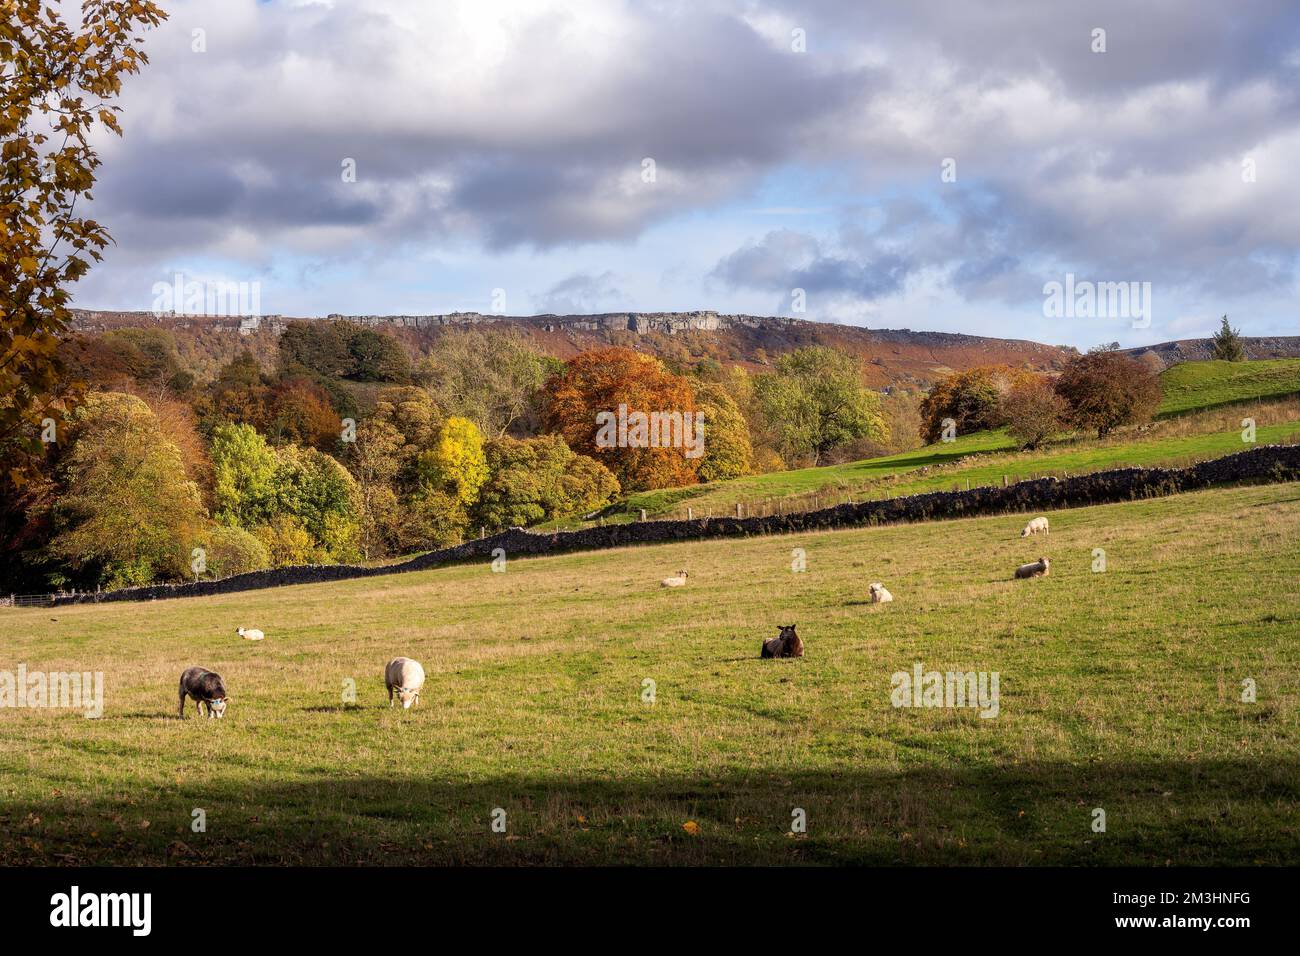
984 457
537 702
898 357
1208 384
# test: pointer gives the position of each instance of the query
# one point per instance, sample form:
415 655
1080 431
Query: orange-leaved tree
595 385
972 398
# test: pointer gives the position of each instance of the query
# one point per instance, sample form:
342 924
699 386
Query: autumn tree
727 449
230 551
1033 411
1106 388
57 83
815 401
489 376
455 463
972 398
128 514
298 411
301 503
149 357
239 394
598 383
1228 346
374 459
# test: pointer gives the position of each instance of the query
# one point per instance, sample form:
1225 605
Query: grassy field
978 459
1192 385
1119 690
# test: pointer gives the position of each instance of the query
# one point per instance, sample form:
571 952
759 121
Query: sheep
879 594
249 633
207 689
1035 526
1038 569
675 582
785 644
406 677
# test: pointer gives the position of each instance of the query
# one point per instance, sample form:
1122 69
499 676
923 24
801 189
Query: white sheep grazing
676 582
1035 526
1038 569
879 594
406 677
249 633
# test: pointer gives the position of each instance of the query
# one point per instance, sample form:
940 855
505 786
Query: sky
925 165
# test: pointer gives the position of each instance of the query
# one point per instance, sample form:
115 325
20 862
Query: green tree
538 479
128 514
232 551
376 356
244 468
57 83
312 487
815 401
1227 343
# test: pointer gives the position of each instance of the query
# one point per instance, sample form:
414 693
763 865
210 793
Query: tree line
347 446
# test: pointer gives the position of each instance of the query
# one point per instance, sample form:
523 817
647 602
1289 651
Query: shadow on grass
1224 812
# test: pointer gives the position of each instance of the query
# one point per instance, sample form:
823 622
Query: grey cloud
582 293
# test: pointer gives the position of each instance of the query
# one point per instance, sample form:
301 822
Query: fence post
643 514
1004 481
737 509
690 514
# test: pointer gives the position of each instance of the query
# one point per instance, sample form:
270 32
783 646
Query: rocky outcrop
1269 463
1200 350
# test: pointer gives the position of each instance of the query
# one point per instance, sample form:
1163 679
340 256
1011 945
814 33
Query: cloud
580 293
485 132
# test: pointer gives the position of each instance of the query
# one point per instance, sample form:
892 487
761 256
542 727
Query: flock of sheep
405 677
788 644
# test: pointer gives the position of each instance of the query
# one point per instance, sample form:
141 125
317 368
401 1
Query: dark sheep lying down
206 689
786 644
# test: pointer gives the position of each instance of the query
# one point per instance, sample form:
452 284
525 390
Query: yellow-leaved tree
57 83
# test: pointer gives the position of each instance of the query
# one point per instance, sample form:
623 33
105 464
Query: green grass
1119 690
982 458
720 497
1198 385
1188 387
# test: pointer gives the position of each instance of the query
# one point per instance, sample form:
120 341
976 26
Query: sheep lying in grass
249 633
406 677
675 582
1035 526
785 644
1038 569
206 689
879 593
